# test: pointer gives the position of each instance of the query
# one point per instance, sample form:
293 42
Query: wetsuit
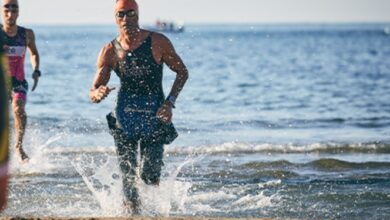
134 119
15 51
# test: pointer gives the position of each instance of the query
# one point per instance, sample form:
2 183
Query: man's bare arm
99 90
174 62
34 56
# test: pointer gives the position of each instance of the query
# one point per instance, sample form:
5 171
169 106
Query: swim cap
126 5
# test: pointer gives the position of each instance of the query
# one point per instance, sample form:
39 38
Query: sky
208 11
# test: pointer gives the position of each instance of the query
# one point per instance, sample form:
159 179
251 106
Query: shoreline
132 218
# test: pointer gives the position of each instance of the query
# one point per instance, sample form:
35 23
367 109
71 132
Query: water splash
102 177
39 161
171 195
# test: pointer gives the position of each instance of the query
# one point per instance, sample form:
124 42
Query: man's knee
127 155
19 107
127 167
152 162
151 171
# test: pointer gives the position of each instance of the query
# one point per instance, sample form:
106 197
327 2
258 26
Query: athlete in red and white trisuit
16 41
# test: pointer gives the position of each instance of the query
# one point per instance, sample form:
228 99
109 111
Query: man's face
10 12
126 15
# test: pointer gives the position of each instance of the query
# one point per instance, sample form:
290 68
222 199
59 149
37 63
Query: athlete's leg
20 116
127 156
152 161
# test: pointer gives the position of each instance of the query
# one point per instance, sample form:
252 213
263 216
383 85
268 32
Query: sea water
274 121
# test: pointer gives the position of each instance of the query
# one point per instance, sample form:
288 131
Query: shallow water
275 121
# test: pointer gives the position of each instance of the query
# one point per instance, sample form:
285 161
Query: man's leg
127 156
20 117
152 161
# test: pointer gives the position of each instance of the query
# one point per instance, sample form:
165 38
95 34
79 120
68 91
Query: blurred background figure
17 40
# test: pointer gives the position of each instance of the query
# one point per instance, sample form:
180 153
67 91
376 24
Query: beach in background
276 121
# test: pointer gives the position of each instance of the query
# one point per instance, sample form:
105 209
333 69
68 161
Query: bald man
17 40
142 115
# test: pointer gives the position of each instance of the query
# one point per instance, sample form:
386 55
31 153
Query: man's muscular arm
174 62
105 62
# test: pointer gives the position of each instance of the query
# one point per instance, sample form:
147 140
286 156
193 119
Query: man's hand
36 74
101 93
164 113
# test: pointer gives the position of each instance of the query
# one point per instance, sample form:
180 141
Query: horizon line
225 23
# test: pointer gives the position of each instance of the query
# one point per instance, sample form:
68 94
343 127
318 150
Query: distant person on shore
17 40
142 115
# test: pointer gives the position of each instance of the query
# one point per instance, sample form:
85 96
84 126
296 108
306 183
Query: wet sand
134 218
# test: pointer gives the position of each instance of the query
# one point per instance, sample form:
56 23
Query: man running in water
17 39
142 114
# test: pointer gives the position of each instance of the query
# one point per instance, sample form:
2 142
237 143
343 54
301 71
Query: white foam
169 196
208 197
270 183
39 162
242 147
249 202
103 179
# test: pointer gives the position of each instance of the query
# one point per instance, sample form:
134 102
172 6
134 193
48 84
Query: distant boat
170 27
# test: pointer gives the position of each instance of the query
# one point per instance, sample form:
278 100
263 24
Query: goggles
129 13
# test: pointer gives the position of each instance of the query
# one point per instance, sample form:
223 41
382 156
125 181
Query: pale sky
208 11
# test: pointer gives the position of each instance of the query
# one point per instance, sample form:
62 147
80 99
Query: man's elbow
35 56
183 74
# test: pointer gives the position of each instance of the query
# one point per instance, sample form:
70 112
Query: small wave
236 147
249 176
249 202
340 165
324 164
263 165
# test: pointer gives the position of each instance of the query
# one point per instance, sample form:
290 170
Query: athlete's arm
175 63
34 56
105 62
169 56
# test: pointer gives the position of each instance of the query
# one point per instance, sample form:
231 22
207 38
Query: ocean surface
274 121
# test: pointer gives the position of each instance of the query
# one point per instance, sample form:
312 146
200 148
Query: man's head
10 11
126 14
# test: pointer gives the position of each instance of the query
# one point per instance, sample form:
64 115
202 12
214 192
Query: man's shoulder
158 38
28 31
108 51
153 34
159 35
108 48
24 28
